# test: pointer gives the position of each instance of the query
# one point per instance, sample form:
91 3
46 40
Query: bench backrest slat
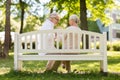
49 41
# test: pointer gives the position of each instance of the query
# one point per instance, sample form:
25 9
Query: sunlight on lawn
4 70
6 64
114 61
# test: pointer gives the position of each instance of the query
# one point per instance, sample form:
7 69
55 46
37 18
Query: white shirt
73 27
71 37
47 25
47 39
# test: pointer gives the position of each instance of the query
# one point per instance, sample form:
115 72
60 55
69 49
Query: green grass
86 70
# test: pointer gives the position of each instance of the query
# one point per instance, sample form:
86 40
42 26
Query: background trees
28 15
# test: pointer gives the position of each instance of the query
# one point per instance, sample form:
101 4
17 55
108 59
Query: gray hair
74 18
53 15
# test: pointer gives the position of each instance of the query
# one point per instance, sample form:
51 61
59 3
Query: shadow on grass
113 60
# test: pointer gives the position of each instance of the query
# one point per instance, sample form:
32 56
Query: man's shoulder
47 25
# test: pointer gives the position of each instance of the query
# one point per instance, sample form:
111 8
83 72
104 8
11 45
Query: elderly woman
73 22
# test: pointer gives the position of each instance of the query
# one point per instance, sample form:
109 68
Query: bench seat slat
61 57
60 51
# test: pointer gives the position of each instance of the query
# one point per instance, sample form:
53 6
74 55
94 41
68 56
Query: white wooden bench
33 42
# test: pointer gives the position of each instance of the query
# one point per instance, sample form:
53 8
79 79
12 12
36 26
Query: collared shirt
47 39
47 25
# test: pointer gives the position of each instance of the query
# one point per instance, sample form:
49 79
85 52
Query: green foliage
32 23
96 8
114 46
118 21
109 46
1 25
73 4
62 5
2 15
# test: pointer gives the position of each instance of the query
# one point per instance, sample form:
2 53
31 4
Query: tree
7 40
62 5
83 18
97 10
32 23
94 7
25 7
83 15
22 14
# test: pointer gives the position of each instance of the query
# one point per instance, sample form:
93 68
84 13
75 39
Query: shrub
116 46
109 47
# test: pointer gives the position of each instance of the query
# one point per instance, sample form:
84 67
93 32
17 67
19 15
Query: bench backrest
55 41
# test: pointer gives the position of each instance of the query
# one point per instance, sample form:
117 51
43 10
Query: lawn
86 70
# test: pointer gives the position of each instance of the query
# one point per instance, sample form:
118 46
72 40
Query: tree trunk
83 15
22 15
83 18
51 10
7 40
68 15
1 50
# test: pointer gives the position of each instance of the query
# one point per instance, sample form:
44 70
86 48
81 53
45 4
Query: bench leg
18 65
103 67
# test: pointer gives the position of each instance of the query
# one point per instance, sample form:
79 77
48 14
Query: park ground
81 70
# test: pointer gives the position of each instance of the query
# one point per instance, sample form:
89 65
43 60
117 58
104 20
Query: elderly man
48 25
50 22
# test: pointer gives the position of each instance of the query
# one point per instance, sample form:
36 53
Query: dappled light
79 69
4 70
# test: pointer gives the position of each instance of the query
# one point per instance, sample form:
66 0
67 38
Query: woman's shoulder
73 27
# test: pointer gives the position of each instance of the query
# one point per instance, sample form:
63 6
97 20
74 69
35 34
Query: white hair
52 15
74 18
